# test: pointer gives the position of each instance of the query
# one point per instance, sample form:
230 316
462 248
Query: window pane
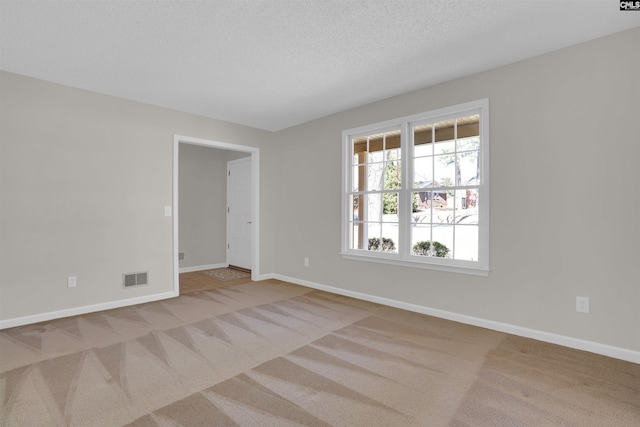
444 136
421 207
390 207
357 229
358 172
423 172
469 165
374 157
431 199
355 201
445 147
419 201
468 144
353 235
392 175
420 233
389 238
467 208
359 144
374 207
468 126
445 170
443 203
466 247
351 227
373 230
421 217
442 241
375 176
393 154
423 150
422 140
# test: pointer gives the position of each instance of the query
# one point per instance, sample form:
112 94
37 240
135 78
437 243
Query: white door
239 218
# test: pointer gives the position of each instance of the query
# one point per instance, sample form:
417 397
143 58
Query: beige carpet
275 354
225 274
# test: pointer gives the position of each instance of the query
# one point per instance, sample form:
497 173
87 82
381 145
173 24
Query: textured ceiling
273 64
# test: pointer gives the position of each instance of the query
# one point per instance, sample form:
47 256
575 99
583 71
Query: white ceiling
272 64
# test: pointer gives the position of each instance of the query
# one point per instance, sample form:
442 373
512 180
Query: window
416 190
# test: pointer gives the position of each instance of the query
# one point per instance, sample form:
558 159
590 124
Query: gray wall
84 178
565 147
202 205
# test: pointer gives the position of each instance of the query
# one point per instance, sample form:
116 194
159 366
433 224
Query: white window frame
403 257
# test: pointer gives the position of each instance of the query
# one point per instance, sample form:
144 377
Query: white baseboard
43 317
579 344
203 267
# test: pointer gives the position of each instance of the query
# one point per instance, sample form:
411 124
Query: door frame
255 200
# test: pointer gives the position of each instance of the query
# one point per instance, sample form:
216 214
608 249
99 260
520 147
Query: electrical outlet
306 262
582 304
71 282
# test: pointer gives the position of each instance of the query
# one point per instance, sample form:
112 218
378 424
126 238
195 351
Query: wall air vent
135 279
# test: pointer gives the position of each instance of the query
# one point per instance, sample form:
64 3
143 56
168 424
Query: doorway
251 197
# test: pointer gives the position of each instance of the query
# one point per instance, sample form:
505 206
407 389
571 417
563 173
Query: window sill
471 270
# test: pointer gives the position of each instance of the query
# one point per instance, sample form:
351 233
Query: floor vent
135 279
